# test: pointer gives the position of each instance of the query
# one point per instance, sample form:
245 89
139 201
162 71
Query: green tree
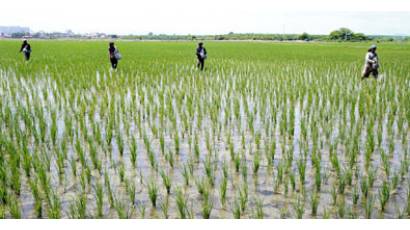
305 37
345 34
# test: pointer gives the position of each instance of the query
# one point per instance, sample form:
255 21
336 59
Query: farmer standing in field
114 55
201 55
371 65
26 49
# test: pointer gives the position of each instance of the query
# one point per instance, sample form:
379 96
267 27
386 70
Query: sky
373 17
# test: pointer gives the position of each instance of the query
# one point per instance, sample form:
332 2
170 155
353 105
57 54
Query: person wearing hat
26 49
201 55
371 65
114 55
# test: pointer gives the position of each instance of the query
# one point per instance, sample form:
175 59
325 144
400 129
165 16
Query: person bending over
371 65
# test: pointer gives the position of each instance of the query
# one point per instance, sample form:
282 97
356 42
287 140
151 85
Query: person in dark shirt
26 49
113 54
201 55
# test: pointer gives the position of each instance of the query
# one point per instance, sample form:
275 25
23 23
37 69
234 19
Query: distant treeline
342 34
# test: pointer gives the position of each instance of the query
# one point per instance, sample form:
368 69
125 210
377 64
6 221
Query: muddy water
276 204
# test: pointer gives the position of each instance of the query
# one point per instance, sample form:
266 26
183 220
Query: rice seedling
341 207
314 203
369 204
341 184
237 162
292 181
2 212
364 185
371 177
162 143
348 177
109 134
44 180
352 213
225 169
222 190
244 169
70 123
131 191
80 152
26 163
78 209
355 194
60 165
236 211
243 197
333 193
286 187
83 180
14 207
142 210
152 159
256 162
196 148
165 207
121 171
107 184
318 179
54 206
395 181
259 214
169 157
191 212
3 181
284 211
386 163
209 170
99 199
120 209
181 203
166 180
38 207
73 165
404 167
326 214
207 205
301 163
153 192
299 207
15 175
208 139
94 156
176 143
384 195
202 186
186 174
335 163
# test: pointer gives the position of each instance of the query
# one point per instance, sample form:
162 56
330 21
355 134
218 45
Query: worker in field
26 49
201 55
371 65
114 55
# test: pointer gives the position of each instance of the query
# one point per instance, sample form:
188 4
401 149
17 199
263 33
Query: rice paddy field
268 130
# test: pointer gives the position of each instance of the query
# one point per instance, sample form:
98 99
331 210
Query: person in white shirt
371 65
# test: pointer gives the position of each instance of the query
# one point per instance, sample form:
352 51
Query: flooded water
136 116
